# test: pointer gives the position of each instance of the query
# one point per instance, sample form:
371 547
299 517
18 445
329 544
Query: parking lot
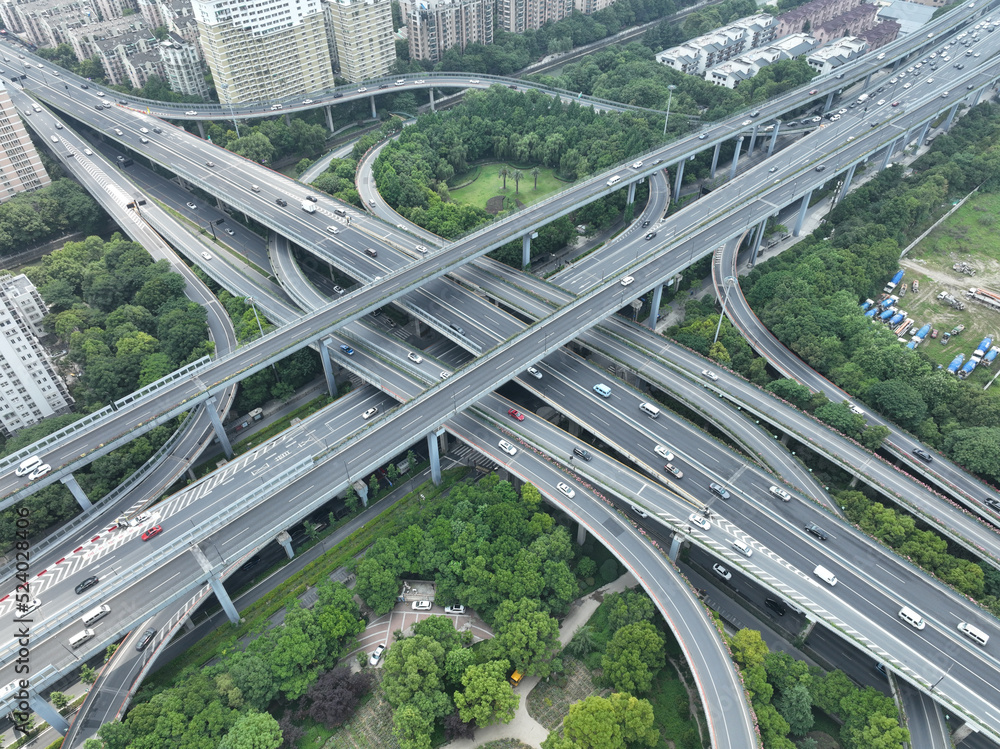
403 617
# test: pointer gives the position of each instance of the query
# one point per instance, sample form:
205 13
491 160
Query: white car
907 85
880 102
710 375
507 447
627 281
415 358
43 469
565 489
421 249
474 80
88 152
780 494
207 255
333 230
639 511
722 572
747 122
663 452
456 609
189 113
421 81
192 206
33 604
422 605
700 520
28 465
444 375
143 130
636 164
307 101
141 519
376 655
534 373
369 413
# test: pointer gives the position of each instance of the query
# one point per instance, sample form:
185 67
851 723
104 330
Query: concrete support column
78 493
581 535
802 213
715 161
675 547
868 79
188 626
829 101
654 307
887 159
525 251
374 113
854 482
48 713
630 198
435 457
961 733
977 97
736 157
847 182
923 133
951 117
785 439
285 539
431 92
223 597
774 137
678 178
201 129
328 371
220 432
756 241
753 141
810 626
329 117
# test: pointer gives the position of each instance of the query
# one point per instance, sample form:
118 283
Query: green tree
414 672
528 636
633 657
253 731
59 700
256 146
616 722
795 706
411 727
487 696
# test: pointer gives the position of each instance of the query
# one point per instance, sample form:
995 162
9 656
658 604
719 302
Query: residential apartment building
813 14
832 56
265 51
435 26
30 388
588 7
852 23
41 21
130 58
362 34
881 34
21 167
84 34
182 66
517 16
697 55
733 72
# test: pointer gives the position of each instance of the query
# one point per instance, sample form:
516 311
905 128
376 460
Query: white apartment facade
362 33
435 26
21 167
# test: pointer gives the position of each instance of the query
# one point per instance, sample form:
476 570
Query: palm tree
518 174
535 171
503 173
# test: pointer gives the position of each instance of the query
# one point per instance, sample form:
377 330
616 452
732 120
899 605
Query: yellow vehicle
515 678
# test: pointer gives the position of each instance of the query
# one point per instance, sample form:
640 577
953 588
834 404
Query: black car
816 531
775 605
384 85
582 453
157 130
645 223
338 96
923 455
90 582
990 502
147 637
84 85
282 202
650 235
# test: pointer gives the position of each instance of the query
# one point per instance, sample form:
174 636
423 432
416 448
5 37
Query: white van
95 614
743 548
614 180
80 638
28 465
602 390
912 618
825 575
649 409
974 633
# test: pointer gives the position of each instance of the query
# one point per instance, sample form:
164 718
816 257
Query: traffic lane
923 718
714 672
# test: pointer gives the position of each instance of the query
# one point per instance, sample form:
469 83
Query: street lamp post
728 282
670 96
225 89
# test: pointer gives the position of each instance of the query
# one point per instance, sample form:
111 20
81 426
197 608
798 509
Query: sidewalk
523 727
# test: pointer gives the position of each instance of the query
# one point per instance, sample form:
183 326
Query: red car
154 531
514 413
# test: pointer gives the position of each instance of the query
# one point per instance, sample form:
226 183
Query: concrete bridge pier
328 370
526 247
654 307
48 713
678 178
78 494
961 733
329 117
736 157
715 161
802 213
887 159
829 102
774 137
753 141
951 117
756 242
675 547
285 540
435 455
923 133
201 129
372 100
220 432
430 91
847 182
217 587
630 198
581 534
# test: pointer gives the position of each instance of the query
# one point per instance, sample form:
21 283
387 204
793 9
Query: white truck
308 206
863 98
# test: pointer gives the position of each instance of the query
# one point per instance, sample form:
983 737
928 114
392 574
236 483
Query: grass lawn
488 185
970 235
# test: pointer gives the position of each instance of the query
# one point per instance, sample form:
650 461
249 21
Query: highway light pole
727 282
671 88
225 90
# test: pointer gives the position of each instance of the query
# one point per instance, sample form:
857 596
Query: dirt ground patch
549 702
371 725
